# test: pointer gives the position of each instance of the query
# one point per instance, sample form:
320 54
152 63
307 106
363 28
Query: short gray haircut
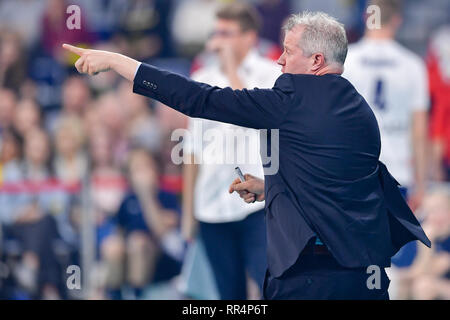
322 34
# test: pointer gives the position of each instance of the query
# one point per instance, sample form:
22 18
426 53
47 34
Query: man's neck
330 69
380 34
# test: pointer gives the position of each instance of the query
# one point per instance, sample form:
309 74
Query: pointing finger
73 49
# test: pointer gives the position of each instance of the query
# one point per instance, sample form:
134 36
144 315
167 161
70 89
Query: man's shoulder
408 56
306 81
391 49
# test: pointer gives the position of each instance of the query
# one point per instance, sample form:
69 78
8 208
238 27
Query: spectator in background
24 17
103 16
12 62
148 216
429 275
107 188
141 125
29 203
52 197
191 29
145 24
430 272
393 80
232 231
438 62
8 104
107 182
54 30
27 116
70 162
76 96
11 153
36 167
112 116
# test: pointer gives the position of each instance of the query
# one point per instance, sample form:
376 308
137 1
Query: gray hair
322 34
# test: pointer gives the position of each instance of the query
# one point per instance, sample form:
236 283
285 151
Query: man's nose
281 61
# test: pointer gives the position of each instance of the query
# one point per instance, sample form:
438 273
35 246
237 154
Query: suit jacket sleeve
257 108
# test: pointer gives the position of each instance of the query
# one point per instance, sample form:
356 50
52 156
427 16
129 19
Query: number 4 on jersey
379 97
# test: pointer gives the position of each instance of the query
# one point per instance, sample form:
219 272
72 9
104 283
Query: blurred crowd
80 154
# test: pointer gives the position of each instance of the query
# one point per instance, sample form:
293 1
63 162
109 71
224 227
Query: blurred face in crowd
292 60
91 119
76 95
228 33
37 147
69 137
56 10
142 169
133 104
10 147
100 147
27 116
7 107
111 113
9 50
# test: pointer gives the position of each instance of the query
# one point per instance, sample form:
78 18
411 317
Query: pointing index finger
73 49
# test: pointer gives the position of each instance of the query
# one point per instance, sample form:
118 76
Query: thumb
73 49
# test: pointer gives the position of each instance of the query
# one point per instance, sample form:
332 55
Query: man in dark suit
333 211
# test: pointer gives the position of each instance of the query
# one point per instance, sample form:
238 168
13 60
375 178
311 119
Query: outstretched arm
257 108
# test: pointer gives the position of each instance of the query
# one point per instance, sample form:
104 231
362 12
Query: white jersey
393 81
212 202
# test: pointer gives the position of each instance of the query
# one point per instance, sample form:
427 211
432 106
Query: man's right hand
251 190
94 61
91 61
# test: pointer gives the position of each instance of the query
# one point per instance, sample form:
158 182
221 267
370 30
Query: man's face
228 33
292 60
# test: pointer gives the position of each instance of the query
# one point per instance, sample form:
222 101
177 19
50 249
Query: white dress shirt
212 202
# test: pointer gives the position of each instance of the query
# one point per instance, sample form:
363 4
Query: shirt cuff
137 68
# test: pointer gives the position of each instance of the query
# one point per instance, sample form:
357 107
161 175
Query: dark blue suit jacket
330 181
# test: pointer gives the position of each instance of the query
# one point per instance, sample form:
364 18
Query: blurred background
75 150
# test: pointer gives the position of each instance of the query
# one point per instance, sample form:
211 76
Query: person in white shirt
394 82
233 232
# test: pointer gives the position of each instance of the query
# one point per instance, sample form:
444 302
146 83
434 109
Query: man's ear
318 61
